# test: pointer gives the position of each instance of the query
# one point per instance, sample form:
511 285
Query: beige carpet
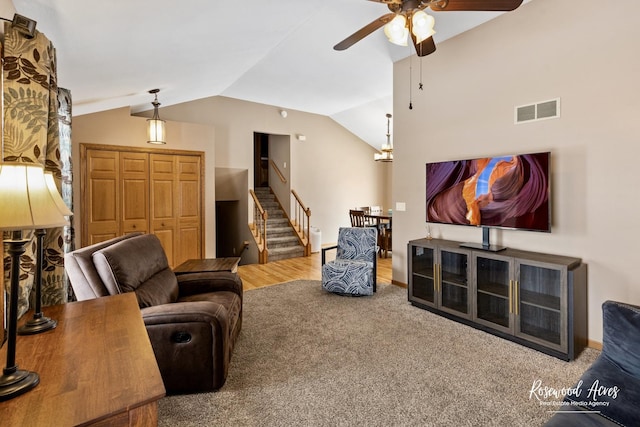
309 358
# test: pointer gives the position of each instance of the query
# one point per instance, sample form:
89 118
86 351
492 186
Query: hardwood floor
308 268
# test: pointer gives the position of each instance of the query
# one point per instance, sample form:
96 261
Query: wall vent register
539 111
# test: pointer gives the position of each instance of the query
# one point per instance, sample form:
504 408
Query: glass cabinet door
539 303
423 277
493 294
454 282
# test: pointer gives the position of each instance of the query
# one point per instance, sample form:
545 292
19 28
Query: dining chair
357 218
368 222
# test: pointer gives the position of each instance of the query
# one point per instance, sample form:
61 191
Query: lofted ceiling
280 52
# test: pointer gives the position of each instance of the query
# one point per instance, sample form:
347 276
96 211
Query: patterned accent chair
353 272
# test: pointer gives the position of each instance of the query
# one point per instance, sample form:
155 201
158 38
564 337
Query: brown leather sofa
193 320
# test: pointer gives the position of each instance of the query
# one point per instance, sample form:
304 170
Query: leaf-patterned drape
32 135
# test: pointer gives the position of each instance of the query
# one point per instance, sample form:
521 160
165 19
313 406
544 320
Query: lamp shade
155 125
25 199
55 194
155 134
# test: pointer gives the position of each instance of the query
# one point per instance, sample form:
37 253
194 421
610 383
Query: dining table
379 218
382 222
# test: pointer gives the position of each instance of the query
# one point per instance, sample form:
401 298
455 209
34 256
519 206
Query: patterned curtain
32 135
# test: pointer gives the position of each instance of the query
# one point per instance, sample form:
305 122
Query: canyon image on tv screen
509 191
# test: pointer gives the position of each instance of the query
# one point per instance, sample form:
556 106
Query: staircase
282 241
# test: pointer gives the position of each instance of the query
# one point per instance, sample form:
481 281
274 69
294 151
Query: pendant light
155 125
386 153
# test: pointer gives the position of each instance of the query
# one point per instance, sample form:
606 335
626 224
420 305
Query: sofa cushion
82 272
138 265
610 391
621 336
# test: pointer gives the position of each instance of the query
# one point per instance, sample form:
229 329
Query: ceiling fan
407 18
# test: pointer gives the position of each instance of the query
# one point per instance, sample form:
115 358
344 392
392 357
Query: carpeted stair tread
281 237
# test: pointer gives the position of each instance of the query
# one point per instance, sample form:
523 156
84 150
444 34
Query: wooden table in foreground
96 368
208 264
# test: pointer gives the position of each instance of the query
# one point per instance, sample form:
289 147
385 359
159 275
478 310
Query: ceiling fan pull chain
410 80
420 84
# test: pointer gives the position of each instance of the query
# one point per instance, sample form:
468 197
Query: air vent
538 111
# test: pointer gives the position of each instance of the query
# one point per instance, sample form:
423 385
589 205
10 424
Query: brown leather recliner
193 320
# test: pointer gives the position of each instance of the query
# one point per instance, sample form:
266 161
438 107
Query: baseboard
594 344
398 283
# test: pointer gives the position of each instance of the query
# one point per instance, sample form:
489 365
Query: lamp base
16 383
36 325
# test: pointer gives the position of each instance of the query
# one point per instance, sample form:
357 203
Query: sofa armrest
324 253
185 312
202 282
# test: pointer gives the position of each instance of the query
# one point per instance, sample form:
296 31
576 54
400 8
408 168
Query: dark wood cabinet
538 300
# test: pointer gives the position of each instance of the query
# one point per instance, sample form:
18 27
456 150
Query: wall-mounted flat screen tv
504 191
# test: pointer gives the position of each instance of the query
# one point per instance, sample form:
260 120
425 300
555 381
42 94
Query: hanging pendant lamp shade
155 125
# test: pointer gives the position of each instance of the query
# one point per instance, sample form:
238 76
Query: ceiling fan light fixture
396 30
422 25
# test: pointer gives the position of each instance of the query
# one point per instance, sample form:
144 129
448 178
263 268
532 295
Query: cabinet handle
510 296
435 277
516 299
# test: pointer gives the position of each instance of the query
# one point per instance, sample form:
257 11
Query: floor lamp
26 203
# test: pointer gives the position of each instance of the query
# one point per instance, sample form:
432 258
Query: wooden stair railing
259 228
301 223
278 172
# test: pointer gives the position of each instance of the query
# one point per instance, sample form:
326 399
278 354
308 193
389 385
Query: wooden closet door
163 212
129 189
134 179
102 192
189 219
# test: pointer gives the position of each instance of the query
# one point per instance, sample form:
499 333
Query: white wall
578 50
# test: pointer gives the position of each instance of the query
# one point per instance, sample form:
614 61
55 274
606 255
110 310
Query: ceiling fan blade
476 5
424 48
364 31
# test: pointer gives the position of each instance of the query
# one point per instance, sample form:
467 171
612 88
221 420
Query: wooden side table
208 264
96 368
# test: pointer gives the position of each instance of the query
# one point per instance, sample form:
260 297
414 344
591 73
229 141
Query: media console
535 299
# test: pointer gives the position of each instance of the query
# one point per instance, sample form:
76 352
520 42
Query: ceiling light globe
397 31
422 25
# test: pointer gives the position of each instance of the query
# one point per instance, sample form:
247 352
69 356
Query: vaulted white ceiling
277 52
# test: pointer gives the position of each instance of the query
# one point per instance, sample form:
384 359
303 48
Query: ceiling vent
538 111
